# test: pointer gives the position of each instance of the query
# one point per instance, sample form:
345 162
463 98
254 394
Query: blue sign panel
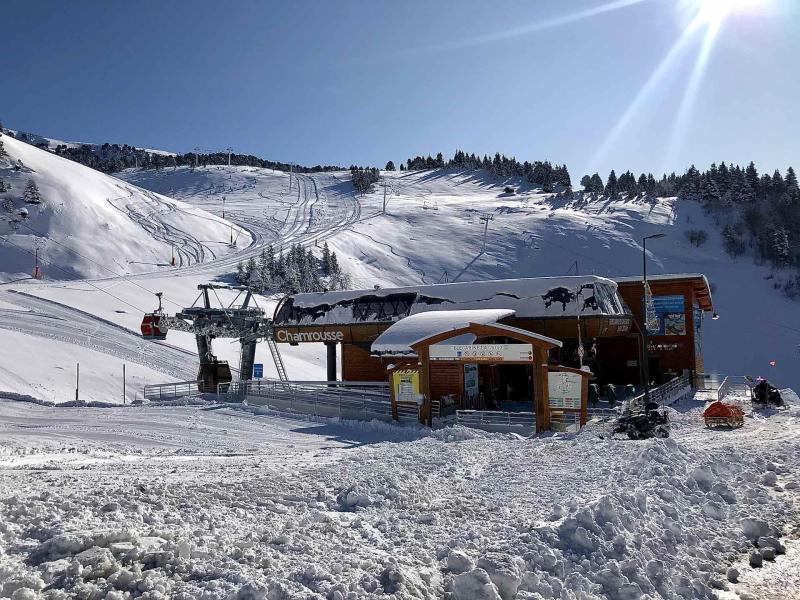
258 371
669 304
670 311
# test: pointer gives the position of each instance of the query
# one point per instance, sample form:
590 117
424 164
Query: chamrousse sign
282 335
482 352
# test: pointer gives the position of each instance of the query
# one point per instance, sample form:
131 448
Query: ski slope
102 314
433 232
91 225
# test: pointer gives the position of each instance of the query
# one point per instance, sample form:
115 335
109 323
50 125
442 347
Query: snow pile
321 510
89 224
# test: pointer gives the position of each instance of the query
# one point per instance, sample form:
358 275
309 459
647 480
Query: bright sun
714 11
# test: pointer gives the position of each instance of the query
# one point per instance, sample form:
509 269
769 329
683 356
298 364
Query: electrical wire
56 267
119 275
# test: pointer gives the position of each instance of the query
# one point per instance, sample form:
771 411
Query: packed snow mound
191 503
86 224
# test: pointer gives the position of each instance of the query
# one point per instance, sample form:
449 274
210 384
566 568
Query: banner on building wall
482 352
471 389
406 386
671 314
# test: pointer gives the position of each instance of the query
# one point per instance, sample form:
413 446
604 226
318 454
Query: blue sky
367 81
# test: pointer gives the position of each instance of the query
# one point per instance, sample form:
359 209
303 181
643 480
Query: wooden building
680 303
593 322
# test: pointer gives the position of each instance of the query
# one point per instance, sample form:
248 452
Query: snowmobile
640 425
766 393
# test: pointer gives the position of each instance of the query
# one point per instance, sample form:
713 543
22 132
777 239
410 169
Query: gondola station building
519 344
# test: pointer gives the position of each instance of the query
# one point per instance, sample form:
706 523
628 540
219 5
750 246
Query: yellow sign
406 386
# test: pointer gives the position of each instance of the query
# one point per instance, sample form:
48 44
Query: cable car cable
53 265
120 276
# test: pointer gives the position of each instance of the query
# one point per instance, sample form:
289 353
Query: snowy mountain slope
53 143
92 225
432 232
269 210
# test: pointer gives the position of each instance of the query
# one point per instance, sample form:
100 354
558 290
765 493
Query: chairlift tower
485 219
246 321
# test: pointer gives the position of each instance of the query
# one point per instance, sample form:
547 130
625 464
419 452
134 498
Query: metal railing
708 382
495 420
567 420
167 391
602 412
407 411
346 400
672 391
735 383
664 395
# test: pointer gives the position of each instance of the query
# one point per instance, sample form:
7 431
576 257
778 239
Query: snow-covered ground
189 502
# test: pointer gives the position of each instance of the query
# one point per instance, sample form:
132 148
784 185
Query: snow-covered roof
397 340
660 277
529 298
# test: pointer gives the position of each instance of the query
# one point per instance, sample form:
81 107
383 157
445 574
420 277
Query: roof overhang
700 286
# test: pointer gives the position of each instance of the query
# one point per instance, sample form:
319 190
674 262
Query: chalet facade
487 344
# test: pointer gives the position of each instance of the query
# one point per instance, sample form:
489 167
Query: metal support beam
331 347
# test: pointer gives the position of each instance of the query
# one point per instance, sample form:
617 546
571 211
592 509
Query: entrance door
507 387
654 365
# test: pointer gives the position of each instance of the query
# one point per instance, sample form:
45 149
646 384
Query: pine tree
778 185
791 180
642 184
241 276
31 194
751 174
251 270
597 184
708 190
611 185
3 152
651 184
326 259
390 166
334 268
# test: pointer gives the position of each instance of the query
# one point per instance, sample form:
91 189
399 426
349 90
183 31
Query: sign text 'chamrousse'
282 335
482 352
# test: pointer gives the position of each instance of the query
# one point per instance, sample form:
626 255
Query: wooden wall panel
358 365
447 378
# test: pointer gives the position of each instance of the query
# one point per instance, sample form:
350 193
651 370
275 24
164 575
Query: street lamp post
645 337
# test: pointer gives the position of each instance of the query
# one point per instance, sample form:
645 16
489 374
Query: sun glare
714 11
